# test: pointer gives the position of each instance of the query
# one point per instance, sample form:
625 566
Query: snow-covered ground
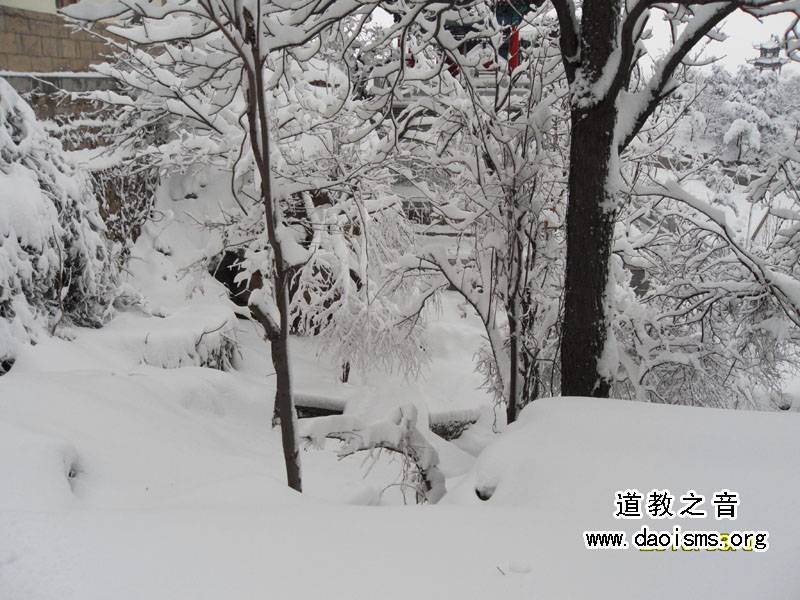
177 494
128 472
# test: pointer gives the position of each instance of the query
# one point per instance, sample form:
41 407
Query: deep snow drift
177 495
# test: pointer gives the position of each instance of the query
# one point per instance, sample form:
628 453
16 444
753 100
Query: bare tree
487 160
230 75
217 64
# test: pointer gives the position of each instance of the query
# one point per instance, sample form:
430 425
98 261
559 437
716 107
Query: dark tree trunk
517 291
589 236
590 221
277 333
513 383
284 403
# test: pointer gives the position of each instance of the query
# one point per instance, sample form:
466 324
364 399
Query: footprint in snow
515 567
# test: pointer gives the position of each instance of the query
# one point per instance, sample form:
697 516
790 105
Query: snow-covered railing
316 405
447 424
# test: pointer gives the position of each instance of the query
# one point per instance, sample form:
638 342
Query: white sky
744 31
40 5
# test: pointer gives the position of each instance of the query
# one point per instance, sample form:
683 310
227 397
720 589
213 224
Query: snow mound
184 340
200 335
599 446
138 438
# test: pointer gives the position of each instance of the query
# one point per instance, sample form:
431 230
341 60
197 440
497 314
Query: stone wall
40 56
42 43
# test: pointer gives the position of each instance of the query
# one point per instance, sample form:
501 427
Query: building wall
41 43
48 6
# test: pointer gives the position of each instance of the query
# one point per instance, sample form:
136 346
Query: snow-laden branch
784 288
398 432
569 32
635 108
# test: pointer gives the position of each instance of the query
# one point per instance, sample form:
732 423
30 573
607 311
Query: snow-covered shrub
398 432
55 262
738 107
742 136
177 343
110 143
126 199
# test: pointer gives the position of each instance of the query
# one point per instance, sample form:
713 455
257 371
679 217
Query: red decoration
513 50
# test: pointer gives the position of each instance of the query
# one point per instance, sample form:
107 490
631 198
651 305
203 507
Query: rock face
56 266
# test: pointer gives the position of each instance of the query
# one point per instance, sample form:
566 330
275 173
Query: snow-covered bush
111 143
398 432
55 262
742 136
491 169
126 192
747 107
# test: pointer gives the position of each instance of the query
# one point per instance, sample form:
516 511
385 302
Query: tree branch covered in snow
339 221
712 318
398 433
484 160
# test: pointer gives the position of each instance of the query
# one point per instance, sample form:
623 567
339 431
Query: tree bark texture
590 221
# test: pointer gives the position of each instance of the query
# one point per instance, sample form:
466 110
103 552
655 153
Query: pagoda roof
773 43
769 60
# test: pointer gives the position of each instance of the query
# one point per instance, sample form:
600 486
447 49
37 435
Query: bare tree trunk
514 292
284 403
279 343
590 222
278 334
513 382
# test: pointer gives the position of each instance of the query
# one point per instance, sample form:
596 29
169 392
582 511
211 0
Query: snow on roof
773 43
769 60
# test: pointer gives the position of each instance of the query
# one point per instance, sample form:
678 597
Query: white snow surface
178 495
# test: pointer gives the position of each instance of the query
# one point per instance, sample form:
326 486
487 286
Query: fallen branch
397 433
